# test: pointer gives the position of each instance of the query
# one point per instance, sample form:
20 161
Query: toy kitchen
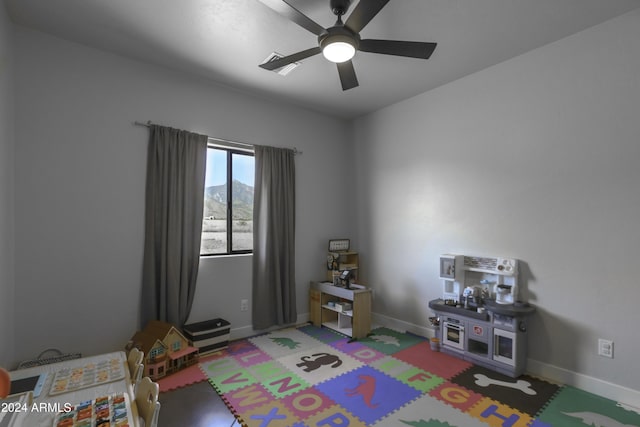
480 317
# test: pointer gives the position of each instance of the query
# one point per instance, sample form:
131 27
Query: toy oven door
504 346
453 335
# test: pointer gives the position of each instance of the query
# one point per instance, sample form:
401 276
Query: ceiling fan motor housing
339 33
340 7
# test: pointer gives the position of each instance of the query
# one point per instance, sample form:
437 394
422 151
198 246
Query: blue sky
243 169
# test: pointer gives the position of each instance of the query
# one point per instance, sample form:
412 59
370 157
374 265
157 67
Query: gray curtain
274 288
176 166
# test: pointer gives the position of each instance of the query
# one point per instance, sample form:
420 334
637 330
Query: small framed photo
338 245
447 268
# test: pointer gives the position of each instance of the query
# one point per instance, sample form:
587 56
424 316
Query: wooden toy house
165 349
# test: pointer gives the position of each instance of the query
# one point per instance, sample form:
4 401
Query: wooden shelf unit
355 323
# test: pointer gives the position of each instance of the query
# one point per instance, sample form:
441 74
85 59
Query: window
155 353
227 225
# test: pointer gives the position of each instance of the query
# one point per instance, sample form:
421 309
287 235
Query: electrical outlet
244 305
605 348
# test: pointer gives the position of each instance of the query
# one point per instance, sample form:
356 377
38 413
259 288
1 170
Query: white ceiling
225 40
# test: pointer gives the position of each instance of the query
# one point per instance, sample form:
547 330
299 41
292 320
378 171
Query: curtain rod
245 144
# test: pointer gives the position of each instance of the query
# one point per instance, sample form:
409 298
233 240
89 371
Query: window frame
230 151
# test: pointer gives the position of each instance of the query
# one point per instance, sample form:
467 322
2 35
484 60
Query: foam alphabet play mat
311 376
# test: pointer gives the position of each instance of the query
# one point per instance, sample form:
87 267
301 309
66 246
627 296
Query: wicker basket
55 357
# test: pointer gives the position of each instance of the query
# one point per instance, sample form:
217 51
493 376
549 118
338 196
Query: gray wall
80 179
535 158
6 190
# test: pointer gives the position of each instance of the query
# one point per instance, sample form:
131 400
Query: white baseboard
248 331
401 325
625 396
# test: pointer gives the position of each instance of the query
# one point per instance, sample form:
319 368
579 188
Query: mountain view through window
227 225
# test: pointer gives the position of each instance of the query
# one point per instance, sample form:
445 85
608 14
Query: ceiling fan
339 43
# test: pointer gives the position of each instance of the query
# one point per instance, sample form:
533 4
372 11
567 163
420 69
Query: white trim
248 331
401 325
229 145
625 396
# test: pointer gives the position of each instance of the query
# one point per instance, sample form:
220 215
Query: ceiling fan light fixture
338 48
339 52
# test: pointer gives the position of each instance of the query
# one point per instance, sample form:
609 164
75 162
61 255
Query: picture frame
339 245
447 268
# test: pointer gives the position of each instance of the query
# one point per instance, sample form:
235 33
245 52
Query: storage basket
208 336
57 356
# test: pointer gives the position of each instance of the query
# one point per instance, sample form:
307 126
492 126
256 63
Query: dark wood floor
197 405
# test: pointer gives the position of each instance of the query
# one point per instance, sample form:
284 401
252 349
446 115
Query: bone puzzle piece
522 385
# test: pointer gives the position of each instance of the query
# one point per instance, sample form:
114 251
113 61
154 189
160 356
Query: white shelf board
344 313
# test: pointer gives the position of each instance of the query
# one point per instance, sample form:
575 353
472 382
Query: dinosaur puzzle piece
386 339
365 388
286 342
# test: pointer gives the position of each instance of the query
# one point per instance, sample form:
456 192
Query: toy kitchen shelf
355 323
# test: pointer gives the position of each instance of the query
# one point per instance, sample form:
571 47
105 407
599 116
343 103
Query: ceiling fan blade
286 60
285 9
399 48
347 75
364 12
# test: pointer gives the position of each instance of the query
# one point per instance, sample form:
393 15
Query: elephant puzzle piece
315 361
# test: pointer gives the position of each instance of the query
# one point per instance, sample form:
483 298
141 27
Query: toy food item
5 383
